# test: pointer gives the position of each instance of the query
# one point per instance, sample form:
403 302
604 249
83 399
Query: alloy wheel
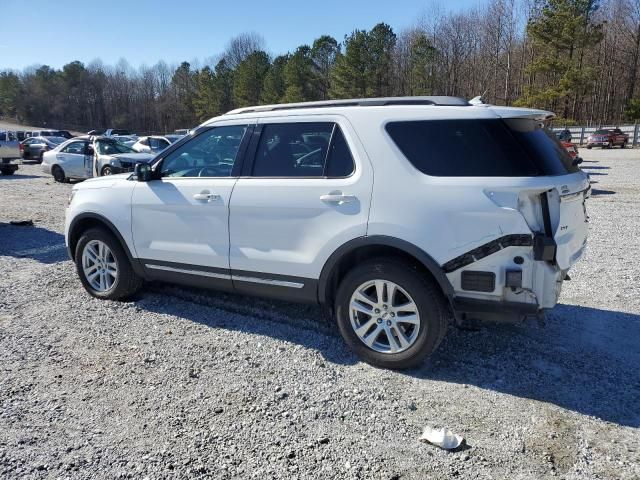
99 266
384 316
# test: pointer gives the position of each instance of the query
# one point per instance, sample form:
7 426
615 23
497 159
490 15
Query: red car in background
608 138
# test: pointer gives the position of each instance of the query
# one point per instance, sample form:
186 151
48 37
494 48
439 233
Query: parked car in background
151 144
109 132
571 148
280 201
173 137
608 138
128 140
64 133
86 157
34 147
44 133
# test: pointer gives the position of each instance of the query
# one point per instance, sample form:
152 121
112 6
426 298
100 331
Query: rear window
481 148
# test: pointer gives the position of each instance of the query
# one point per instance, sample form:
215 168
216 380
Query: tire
624 145
414 286
40 157
106 170
609 145
58 174
124 283
8 172
589 147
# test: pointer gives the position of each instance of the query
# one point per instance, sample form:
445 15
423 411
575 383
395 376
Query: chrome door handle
209 197
338 198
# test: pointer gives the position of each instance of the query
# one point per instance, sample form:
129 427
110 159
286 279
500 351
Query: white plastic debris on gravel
184 383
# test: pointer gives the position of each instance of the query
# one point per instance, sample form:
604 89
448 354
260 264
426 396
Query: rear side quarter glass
478 148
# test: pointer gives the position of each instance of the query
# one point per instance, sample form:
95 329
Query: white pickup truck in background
9 149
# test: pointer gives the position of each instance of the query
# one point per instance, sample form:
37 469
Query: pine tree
560 34
380 42
274 85
350 75
324 52
422 58
249 79
299 77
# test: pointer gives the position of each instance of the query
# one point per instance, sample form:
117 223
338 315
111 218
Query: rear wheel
58 173
103 266
390 313
624 144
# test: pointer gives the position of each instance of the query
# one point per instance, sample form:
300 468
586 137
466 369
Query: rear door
305 191
180 221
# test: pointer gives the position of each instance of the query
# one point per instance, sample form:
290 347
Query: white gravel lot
186 383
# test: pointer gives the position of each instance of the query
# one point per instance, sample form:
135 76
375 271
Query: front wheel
390 313
103 266
107 170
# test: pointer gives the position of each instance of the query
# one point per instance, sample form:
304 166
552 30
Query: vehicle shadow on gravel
596 191
290 322
584 360
17 176
30 241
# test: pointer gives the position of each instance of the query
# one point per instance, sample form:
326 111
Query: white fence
580 134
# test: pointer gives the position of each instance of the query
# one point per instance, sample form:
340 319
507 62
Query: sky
48 32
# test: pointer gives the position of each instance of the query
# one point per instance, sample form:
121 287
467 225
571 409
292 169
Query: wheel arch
88 220
373 246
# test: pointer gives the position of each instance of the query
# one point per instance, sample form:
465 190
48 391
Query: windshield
602 132
57 140
111 148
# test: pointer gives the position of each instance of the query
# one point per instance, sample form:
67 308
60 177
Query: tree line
578 58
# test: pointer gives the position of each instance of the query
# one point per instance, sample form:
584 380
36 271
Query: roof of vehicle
358 102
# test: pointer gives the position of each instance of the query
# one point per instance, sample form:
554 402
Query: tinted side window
480 148
292 150
339 161
213 153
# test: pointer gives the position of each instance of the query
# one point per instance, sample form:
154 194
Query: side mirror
90 150
577 161
142 172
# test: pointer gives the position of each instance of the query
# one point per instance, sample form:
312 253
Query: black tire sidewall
122 262
55 169
106 168
422 293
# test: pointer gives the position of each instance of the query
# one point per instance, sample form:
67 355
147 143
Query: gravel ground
185 383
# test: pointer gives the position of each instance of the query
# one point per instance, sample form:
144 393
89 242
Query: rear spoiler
516 112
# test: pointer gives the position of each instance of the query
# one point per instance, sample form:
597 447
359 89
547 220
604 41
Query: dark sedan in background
34 147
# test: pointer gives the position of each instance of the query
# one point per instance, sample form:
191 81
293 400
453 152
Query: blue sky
55 32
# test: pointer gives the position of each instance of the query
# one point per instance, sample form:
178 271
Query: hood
134 157
101 182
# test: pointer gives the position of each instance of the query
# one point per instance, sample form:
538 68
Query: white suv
397 214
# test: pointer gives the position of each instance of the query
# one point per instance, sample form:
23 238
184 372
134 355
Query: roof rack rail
358 102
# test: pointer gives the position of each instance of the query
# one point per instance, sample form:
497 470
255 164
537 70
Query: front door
307 192
180 219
